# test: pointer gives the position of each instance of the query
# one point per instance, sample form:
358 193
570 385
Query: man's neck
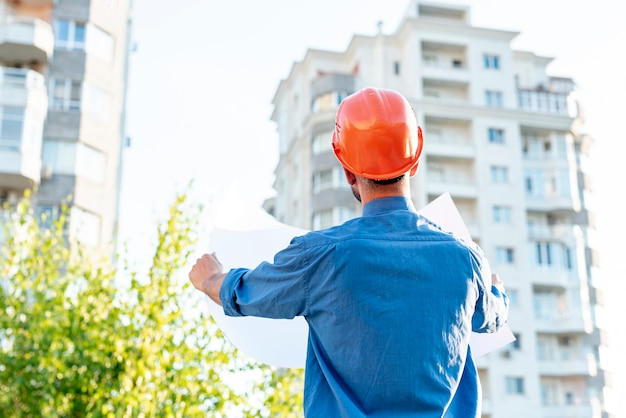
400 189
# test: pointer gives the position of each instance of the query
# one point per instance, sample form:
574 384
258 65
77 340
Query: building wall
504 138
81 137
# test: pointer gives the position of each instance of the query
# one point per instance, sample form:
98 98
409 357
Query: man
390 299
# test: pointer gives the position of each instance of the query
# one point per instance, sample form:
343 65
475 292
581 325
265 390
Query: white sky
204 74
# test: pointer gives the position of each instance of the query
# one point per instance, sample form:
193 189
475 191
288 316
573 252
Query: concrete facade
506 140
68 60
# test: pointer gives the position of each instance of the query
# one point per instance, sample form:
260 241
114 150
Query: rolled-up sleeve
492 306
271 290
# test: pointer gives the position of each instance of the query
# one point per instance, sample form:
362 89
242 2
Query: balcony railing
456 184
573 321
21 78
563 232
552 201
450 146
579 366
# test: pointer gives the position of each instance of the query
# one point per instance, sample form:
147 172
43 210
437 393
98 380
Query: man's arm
207 276
492 307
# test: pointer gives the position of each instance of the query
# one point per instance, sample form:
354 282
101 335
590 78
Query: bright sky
205 71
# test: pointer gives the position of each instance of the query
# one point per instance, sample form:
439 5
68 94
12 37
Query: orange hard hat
376 134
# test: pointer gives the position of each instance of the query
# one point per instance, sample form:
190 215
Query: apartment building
62 93
506 140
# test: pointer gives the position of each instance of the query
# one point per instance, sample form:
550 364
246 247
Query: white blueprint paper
245 236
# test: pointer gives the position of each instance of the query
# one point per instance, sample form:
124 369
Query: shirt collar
388 204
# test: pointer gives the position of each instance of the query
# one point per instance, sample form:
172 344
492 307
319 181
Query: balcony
450 147
553 202
444 62
560 232
25 40
23 104
572 322
458 186
580 366
448 91
566 411
22 87
19 171
546 102
327 83
550 278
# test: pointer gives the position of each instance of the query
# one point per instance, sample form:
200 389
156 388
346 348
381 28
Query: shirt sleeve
492 305
271 290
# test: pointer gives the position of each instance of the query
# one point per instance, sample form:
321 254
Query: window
331 178
11 128
429 60
78 36
90 163
513 296
74 158
66 94
70 35
549 392
567 255
531 147
543 256
491 61
323 180
517 343
47 214
550 255
84 226
60 156
99 43
323 219
502 214
322 142
499 174
493 98
396 67
96 101
504 255
534 183
515 385
496 136
333 216
563 182
328 101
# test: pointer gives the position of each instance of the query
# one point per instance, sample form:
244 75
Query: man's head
376 135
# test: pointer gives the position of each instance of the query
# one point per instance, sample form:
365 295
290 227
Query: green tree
79 337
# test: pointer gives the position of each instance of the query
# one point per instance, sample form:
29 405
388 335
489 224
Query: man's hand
495 281
207 276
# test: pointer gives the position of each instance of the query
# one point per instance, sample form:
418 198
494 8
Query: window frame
72 43
491 61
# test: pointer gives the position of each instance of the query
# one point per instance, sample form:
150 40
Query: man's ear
350 177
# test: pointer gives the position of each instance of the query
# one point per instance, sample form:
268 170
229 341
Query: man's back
390 314
389 299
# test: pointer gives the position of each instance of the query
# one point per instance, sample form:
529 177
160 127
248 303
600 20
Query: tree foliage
82 337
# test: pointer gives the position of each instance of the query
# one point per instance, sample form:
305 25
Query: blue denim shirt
390 300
